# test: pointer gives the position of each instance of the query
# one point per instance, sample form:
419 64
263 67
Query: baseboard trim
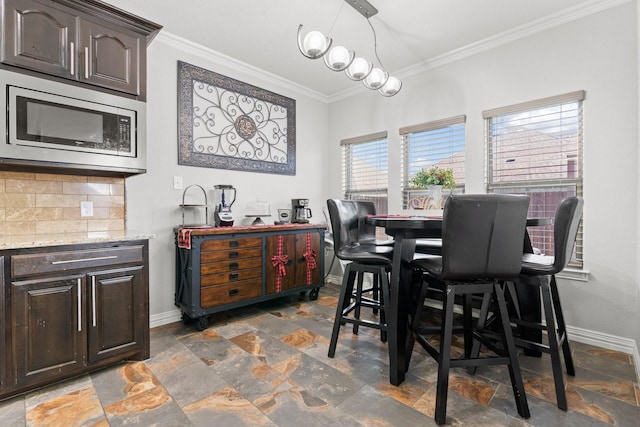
165 318
610 342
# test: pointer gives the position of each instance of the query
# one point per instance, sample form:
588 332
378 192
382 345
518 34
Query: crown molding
537 26
208 54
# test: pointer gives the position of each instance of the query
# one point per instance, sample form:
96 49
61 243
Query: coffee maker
224 196
301 211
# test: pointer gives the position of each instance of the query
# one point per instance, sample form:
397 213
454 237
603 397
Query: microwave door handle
86 62
72 58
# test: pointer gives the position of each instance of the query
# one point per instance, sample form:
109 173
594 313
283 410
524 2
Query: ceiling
262 33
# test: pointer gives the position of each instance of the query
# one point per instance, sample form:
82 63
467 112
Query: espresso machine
300 210
224 195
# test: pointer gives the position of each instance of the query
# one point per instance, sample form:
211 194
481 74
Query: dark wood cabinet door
117 316
39 37
48 332
307 259
279 248
110 58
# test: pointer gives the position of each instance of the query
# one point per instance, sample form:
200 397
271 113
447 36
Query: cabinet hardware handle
79 305
233 266
233 254
233 244
233 276
71 261
72 57
93 299
86 62
233 292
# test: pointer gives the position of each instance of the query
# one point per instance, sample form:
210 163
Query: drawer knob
233 254
233 266
233 293
233 244
233 276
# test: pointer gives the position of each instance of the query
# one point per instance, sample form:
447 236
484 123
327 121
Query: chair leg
514 367
562 328
356 313
376 291
346 290
384 300
554 350
444 361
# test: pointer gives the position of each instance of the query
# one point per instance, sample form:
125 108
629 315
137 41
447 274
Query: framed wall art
227 124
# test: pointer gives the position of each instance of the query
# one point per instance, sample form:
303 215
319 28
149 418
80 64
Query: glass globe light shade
359 69
376 79
314 44
339 58
391 87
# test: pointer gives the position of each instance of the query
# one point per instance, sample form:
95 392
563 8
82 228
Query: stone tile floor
268 365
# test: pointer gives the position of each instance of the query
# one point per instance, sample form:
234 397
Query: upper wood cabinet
85 41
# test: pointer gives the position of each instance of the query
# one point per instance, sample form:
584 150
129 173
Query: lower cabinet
72 309
227 267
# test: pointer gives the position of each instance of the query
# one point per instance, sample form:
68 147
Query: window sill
574 274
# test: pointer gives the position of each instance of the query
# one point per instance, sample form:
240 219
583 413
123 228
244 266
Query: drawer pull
233 266
79 305
233 293
233 276
93 299
233 254
233 244
71 261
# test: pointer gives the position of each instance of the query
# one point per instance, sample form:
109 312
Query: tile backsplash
39 203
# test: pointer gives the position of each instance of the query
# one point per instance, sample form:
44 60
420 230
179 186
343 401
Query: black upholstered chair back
344 222
366 232
567 221
482 236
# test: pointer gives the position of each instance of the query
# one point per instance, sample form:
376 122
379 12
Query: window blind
535 148
365 169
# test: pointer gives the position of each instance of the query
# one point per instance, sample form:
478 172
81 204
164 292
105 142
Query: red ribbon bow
279 261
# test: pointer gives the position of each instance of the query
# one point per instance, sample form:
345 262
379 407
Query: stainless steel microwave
59 125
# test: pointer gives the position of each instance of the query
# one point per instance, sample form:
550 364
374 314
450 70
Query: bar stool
540 271
345 216
482 239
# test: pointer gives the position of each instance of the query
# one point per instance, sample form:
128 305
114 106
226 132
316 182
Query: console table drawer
216 256
233 292
231 265
230 276
217 245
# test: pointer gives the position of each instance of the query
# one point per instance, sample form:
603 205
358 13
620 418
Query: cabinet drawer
233 292
217 245
49 262
230 276
226 266
216 256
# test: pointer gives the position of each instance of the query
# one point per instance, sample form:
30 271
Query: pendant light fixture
339 58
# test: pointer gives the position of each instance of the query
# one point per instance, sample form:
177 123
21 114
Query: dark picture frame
228 124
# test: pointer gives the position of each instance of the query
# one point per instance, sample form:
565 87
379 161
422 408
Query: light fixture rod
365 8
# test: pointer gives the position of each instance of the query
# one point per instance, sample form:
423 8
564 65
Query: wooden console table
219 268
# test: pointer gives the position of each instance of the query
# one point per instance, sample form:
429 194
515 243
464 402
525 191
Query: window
364 166
440 143
535 148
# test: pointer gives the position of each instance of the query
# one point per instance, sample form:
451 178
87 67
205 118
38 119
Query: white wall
153 204
597 53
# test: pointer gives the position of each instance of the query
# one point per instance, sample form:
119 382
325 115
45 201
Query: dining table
405 229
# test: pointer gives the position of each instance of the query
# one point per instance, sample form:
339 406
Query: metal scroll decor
228 124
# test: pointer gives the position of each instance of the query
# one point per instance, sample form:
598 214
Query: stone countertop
37 240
